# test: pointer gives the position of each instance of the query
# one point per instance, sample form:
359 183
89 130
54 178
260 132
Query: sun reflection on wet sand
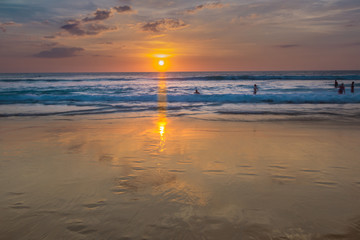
162 104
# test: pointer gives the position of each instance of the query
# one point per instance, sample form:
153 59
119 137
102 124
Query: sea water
281 95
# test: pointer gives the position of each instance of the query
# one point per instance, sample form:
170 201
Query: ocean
285 95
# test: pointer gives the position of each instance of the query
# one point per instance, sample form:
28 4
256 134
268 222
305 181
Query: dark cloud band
61 52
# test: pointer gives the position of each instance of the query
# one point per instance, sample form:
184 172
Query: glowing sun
161 62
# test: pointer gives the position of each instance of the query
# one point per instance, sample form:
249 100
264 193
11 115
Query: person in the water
341 89
352 87
336 84
196 91
255 89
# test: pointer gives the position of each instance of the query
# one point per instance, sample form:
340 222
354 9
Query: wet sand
178 178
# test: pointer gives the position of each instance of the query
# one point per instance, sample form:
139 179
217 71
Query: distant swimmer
196 91
255 89
352 87
336 84
341 89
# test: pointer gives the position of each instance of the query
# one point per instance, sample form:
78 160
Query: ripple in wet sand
19 205
247 174
94 205
89 231
76 228
310 170
106 158
119 190
277 166
324 183
138 168
176 171
283 177
138 161
16 193
213 171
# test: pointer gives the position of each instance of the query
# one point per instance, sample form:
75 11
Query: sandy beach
179 120
178 178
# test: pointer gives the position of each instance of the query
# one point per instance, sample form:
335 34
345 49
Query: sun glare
161 64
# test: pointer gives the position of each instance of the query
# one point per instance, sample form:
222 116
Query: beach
139 156
179 120
166 177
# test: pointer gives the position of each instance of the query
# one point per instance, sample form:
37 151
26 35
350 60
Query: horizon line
339 70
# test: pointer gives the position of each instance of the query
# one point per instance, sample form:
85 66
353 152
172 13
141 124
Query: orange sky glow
132 35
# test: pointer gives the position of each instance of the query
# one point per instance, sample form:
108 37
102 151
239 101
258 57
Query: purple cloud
288 46
99 15
78 29
205 6
61 52
162 25
123 9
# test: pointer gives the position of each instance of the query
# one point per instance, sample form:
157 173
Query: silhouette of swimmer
336 85
196 91
352 87
341 89
255 89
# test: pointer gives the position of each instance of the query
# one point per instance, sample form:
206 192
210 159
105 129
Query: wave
183 77
281 98
265 77
30 80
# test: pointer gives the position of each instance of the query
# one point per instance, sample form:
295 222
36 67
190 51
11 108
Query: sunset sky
128 35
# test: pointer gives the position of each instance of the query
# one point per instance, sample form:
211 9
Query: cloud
123 9
163 25
79 29
197 8
99 15
60 52
3 26
288 46
85 27
49 37
74 28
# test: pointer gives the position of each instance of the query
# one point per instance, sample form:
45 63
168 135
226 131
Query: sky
190 35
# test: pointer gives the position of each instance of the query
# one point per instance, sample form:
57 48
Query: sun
161 62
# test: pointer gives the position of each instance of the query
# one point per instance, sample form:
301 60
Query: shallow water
291 94
165 177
